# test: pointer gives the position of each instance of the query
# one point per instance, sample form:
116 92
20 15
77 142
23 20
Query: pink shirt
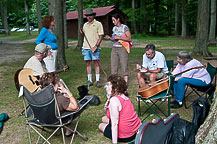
200 73
128 120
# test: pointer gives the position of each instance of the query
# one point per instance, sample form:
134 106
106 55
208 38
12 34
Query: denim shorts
89 55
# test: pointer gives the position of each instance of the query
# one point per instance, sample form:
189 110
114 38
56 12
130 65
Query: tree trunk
201 47
134 20
184 23
80 24
212 30
169 11
39 14
27 18
4 12
56 9
207 133
143 8
65 25
177 19
51 7
156 13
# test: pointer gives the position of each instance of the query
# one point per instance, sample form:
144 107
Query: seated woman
121 121
65 100
196 77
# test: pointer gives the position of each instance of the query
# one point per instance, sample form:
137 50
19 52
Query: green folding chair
169 66
154 103
207 91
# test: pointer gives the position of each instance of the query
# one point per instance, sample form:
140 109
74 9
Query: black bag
201 109
182 131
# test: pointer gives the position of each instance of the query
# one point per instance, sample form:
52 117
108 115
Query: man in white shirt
154 66
36 62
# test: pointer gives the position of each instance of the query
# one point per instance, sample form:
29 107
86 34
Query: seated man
154 66
36 62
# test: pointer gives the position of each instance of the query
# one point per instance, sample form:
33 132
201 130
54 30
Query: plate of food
143 70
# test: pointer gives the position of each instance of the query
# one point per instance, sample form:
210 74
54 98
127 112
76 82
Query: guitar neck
189 70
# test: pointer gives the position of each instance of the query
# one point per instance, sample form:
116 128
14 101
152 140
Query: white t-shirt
158 61
38 67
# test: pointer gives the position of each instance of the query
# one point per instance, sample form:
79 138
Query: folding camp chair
43 105
169 64
153 103
207 91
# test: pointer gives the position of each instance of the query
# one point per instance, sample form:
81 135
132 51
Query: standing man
154 66
94 33
36 62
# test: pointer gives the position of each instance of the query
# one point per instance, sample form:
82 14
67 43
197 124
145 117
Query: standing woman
47 36
121 121
119 53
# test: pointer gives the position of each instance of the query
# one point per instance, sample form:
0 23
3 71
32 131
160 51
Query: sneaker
98 85
176 106
89 83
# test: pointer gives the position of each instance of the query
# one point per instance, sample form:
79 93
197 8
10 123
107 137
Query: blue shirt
45 36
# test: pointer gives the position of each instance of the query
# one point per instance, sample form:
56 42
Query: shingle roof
99 12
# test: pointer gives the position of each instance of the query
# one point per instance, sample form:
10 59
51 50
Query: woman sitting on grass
65 100
121 121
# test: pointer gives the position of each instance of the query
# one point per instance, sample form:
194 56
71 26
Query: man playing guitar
153 68
36 62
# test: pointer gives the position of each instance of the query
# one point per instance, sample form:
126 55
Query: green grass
15 131
17 36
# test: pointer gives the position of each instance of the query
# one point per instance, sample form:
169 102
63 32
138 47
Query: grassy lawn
14 129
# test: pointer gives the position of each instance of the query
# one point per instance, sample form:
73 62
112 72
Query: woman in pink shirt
121 121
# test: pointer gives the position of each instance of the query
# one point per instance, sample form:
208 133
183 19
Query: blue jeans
179 86
89 55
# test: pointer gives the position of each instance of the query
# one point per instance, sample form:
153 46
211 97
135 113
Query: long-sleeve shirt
200 73
45 36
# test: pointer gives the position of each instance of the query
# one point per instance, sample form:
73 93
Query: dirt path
12 50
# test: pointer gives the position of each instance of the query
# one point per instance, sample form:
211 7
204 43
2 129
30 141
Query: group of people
121 121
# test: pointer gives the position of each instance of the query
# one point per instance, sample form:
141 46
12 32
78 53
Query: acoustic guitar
26 78
159 86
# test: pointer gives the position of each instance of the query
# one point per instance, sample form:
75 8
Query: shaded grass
15 131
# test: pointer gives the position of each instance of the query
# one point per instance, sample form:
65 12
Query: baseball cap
42 47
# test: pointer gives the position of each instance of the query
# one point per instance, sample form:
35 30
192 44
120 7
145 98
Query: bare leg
96 66
88 65
141 79
153 77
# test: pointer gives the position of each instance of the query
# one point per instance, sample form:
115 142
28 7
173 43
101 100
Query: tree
38 7
65 25
143 14
80 23
55 8
4 13
212 30
184 23
134 17
27 18
177 18
201 47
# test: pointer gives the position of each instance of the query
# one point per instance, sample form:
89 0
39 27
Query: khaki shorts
159 75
